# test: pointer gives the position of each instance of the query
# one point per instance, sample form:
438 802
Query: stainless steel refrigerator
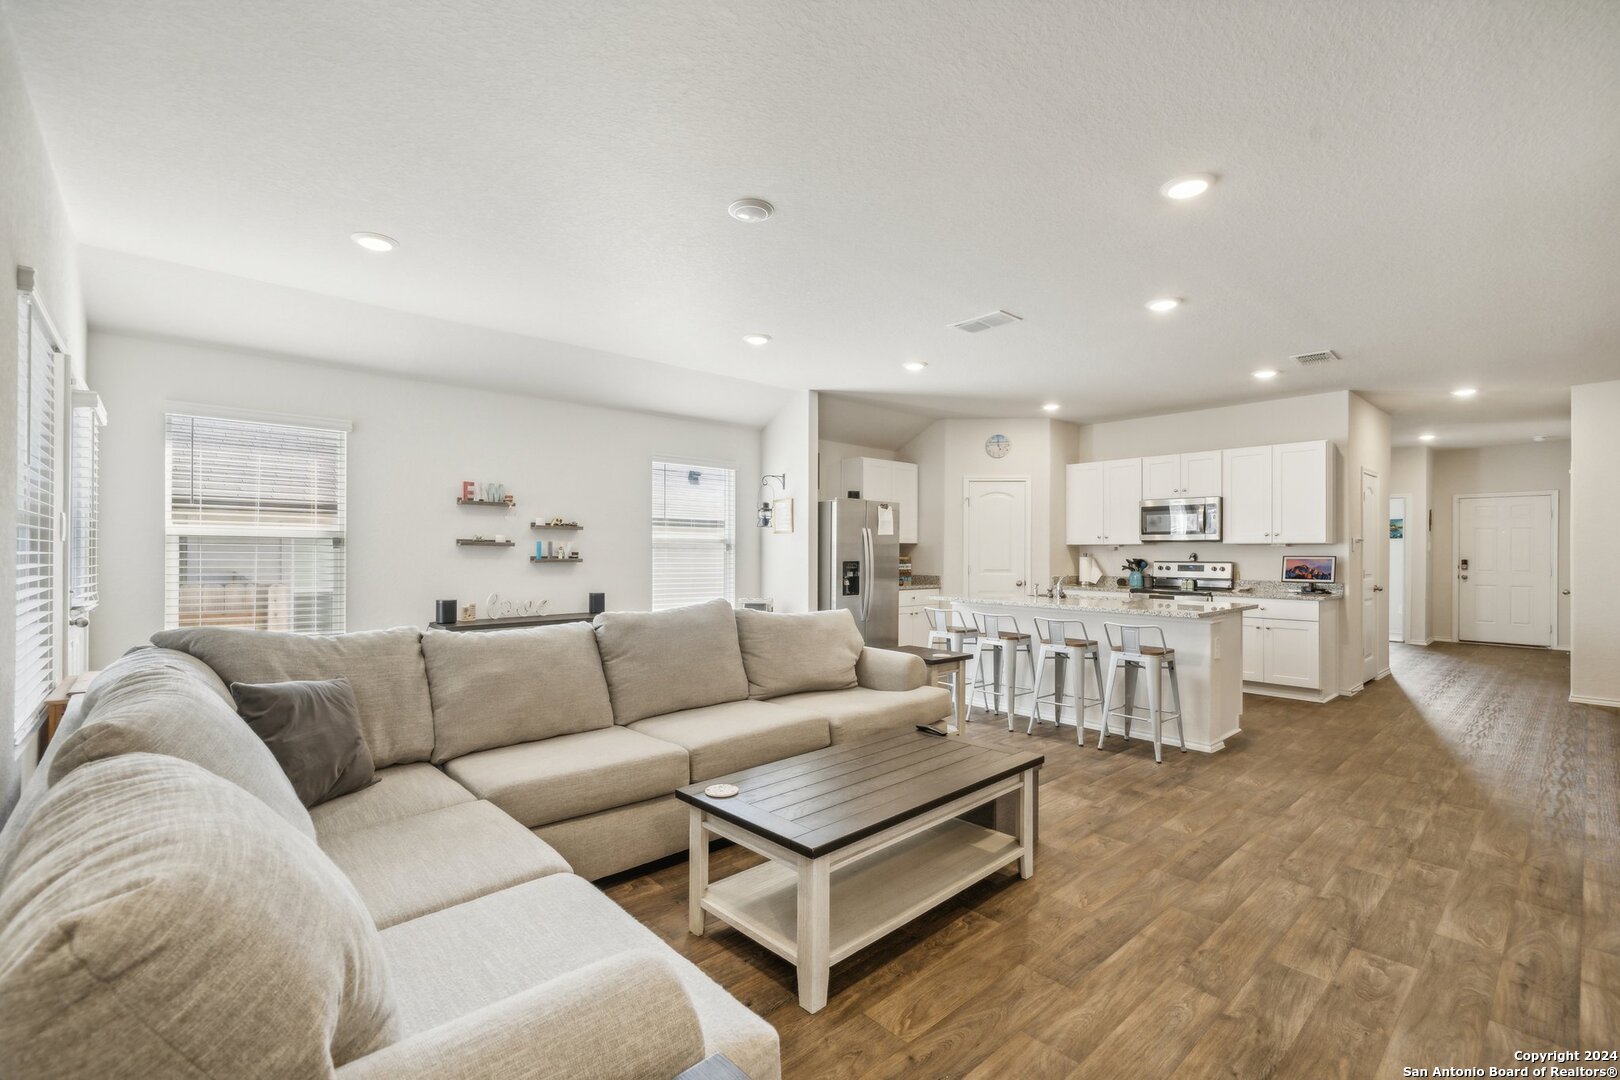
859 568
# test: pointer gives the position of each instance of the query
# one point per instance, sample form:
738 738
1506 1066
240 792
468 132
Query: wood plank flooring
1425 874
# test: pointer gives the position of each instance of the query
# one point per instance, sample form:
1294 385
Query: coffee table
860 838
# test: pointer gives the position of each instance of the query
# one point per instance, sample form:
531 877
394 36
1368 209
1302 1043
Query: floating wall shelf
466 542
547 525
487 502
536 558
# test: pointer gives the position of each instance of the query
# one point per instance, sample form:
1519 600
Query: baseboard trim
1314 697
1607 703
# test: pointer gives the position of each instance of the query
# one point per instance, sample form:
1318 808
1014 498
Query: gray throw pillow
313 729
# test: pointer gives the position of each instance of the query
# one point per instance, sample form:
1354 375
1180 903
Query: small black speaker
445 611
598 603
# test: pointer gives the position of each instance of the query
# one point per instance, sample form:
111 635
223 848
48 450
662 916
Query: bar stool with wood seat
1001 640
947 629
1059 641
1132 654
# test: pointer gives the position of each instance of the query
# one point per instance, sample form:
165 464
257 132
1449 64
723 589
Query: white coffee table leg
699 877
814 934
1026 824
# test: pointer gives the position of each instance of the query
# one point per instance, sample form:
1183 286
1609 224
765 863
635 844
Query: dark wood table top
931 657
819 802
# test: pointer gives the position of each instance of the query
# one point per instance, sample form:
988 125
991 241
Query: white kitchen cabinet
914 616
1103 502
1174 476
886 481
1302 487
1291 654
1290 648
1254 650
1246 495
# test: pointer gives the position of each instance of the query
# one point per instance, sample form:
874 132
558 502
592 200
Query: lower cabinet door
1254 650
913 626
1292 654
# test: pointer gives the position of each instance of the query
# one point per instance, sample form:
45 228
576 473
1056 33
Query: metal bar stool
947 631
1132 655
1000 637
1060 641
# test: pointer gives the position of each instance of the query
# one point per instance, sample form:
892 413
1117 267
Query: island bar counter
1206 635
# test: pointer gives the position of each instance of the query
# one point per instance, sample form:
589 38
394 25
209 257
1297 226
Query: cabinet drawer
1297 610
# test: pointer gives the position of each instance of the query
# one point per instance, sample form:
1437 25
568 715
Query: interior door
1505 569
1246 495
1397 568
996 515
1374 539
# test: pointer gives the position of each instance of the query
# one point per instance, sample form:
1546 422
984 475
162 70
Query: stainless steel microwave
1181 519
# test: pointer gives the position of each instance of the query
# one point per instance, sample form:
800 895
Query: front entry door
996 514
1505 569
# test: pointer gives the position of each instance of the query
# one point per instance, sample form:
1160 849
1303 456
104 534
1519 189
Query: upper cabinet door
1161 476
1302 493
1084 505
1200 475
904 477
1246 496
1122 491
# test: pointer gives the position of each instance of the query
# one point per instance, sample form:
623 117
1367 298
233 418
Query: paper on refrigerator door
885 521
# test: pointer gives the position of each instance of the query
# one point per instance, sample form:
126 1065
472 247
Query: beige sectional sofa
168 907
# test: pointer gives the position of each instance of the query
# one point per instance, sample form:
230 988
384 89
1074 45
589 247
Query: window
39 367
694 526
256 513
84 500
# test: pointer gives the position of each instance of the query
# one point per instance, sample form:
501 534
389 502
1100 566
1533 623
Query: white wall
787 560
412 444
830 457
1485 471
1412 475
34 232
1594 663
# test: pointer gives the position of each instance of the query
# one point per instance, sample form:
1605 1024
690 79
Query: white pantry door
1505 569
1374 542
996 515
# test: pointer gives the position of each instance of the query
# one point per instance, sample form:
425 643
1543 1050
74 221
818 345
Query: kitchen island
1207 636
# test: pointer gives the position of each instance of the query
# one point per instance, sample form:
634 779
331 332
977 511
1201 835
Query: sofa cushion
155 701
739 734
161 921
313 729
796 653
384 667
664 661
553 779
400 792
416 865
859 713
512 686
454 961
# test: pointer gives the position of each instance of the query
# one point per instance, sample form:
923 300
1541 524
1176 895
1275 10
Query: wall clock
998 446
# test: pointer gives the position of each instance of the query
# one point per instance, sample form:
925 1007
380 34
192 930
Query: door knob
1019 582
1463 576
1566 592
1378 588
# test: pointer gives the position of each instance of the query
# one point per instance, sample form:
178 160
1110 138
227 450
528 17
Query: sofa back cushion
162 922
383 666
664 661
157 701
797 653
502 687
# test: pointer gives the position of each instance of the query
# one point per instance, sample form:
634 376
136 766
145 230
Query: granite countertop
1248 589
1138 606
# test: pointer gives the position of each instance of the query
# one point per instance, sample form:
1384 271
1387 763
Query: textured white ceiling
1429 188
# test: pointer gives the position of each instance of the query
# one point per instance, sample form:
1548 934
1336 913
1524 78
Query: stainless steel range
1190 578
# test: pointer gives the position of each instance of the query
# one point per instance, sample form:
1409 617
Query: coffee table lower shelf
871 896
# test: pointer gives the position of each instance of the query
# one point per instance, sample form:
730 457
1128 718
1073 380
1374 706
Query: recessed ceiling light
756 339
1051 406
751 211
1427 436
914 366
1187 187
374 241
1163 304
1266 373
1464 392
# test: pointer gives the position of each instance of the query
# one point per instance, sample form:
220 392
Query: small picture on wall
782 516
1397 528
1308 567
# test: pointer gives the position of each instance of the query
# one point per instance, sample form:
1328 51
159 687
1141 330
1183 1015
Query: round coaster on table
721 791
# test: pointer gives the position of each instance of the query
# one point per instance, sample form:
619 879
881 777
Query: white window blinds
38 369
694 528
256 514
84 501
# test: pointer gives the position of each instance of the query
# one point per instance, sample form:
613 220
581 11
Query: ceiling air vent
1309 359
987 322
